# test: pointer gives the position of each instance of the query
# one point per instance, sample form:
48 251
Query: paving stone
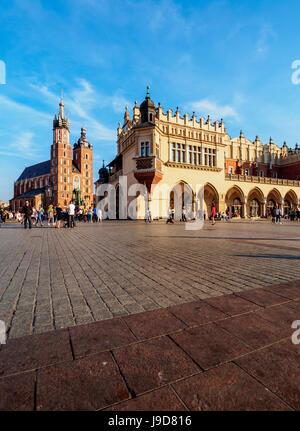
31 352
85 384
278 368
153 323
196 313
232 304
253 330
209 345
262 297
98 336
226 387
289 291
129 267
153 363
163 399
281 315
17 392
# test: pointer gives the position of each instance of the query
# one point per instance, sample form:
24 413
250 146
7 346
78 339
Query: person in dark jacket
27 211
59 216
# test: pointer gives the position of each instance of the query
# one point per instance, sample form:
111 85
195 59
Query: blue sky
229 59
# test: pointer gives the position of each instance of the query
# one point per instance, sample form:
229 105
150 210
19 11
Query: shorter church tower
83 162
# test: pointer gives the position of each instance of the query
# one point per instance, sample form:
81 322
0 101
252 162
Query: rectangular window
173 156
147 149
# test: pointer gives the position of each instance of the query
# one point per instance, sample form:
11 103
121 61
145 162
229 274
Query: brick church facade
68 175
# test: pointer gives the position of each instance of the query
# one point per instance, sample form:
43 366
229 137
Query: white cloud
265 36
8 104
79 103
206 107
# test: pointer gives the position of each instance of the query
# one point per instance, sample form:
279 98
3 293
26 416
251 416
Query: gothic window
86 157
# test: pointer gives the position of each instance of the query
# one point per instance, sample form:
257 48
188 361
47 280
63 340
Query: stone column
263 207
244 207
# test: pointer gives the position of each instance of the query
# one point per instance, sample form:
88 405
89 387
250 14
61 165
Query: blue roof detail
37 170
31 193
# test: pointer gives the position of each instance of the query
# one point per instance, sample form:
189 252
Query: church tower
83 161
61 159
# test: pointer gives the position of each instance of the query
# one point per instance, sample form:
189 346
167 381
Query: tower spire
61 120
61 106
148 95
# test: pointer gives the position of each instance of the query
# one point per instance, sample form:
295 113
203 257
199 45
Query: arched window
254 208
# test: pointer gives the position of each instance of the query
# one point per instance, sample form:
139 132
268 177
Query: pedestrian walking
90 214
50 215
170 217
213 213
227 218
27 211
71 214
278 216
148 216
58 216
273 214
39 218
183 218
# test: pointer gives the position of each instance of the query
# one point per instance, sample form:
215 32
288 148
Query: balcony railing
115 175
146 164
262 180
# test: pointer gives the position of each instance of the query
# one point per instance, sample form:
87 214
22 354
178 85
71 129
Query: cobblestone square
52 279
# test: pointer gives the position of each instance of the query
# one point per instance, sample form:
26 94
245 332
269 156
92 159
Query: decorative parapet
116 175
262 180
190 166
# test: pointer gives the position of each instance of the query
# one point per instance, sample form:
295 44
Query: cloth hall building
68 175
157 147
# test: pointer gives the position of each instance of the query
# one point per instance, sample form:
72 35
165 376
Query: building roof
37 170
31 193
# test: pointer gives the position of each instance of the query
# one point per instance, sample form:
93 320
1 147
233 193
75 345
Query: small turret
82 141
136 112
126 116
148 109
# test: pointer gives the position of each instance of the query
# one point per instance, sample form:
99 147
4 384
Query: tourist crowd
56 216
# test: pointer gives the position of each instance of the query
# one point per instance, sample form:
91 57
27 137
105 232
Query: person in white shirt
71 214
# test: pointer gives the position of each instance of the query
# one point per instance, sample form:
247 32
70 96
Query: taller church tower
61 159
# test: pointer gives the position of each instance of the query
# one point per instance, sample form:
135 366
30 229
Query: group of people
56 215
171 214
